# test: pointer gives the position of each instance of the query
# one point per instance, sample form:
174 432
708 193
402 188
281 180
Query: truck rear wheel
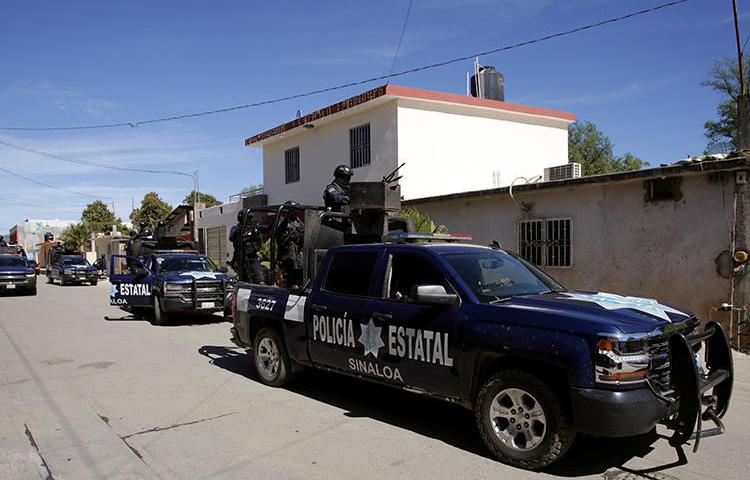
271 358
523 421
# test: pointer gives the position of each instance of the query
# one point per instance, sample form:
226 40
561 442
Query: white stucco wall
447 149
457 149
326 146
620 243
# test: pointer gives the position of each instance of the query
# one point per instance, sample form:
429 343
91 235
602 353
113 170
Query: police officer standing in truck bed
337 194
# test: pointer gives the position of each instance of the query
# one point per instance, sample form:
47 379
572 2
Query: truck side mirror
434 295
223 269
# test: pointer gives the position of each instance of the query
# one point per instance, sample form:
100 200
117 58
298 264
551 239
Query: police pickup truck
16 273
484 328
71 270
167 282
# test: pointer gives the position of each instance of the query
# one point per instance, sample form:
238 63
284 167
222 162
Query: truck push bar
696 388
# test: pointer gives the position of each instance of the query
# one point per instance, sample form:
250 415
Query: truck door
420 339
130 282
340 307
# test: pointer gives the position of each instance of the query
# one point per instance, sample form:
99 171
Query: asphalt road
88 392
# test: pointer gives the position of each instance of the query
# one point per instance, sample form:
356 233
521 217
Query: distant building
664 233
450 143
30 233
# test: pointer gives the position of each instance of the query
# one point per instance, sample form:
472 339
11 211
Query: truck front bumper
80 278
608 413
178 304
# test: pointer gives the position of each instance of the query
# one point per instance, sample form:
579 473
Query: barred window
545 243
291 160
359 146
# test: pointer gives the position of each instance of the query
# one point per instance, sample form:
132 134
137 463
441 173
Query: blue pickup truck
484 328
166 283
16 274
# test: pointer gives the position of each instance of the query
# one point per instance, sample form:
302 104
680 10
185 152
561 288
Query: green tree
423 222
76 235
206 198
152 210
590 147
99 218
725 80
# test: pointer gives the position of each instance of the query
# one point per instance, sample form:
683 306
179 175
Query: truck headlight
68 272
30 275
622 362
175 289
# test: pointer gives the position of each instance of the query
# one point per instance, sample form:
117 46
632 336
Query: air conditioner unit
562 172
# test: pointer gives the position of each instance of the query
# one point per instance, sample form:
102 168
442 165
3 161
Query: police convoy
351 288
479 326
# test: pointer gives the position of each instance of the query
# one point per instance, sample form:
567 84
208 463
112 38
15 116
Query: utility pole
743 102
195 205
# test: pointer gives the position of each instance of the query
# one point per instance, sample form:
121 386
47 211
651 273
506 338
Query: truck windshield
495 276
75 261
12 262
186 264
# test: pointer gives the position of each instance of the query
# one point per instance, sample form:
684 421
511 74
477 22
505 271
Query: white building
450 143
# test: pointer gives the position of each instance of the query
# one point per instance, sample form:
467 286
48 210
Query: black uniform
289 238
247 241
337 194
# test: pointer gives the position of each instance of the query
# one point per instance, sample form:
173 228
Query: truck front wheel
160 316
522 420
271 359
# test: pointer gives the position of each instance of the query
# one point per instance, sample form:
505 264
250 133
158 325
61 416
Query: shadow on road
440 420
174 320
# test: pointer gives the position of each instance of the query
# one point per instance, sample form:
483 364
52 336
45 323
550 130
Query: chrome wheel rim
268 358
518 419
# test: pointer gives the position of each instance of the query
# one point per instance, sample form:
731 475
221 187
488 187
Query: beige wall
620 243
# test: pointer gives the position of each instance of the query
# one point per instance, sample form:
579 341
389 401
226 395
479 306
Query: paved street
87 392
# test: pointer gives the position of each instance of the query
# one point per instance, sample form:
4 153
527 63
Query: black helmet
343 172
241 214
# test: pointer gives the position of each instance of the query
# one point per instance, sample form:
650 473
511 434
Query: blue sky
84 62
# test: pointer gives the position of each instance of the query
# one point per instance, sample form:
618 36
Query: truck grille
12 278
209 292
660 374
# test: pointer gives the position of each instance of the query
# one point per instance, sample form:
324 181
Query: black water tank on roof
491 84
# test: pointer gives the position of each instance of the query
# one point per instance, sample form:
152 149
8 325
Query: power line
11 172
525 43
87 162
401 37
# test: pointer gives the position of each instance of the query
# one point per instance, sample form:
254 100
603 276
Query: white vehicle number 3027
265 304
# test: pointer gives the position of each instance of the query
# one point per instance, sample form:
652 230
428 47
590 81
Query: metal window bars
546 242
359 146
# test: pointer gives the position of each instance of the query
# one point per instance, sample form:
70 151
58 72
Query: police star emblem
113 290
611 301
370 338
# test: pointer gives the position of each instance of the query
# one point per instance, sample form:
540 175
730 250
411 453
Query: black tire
160 316
31 291
49 279
554 429
272 362
93 284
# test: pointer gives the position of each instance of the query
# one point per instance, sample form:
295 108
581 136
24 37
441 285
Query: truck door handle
316 307
382 316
